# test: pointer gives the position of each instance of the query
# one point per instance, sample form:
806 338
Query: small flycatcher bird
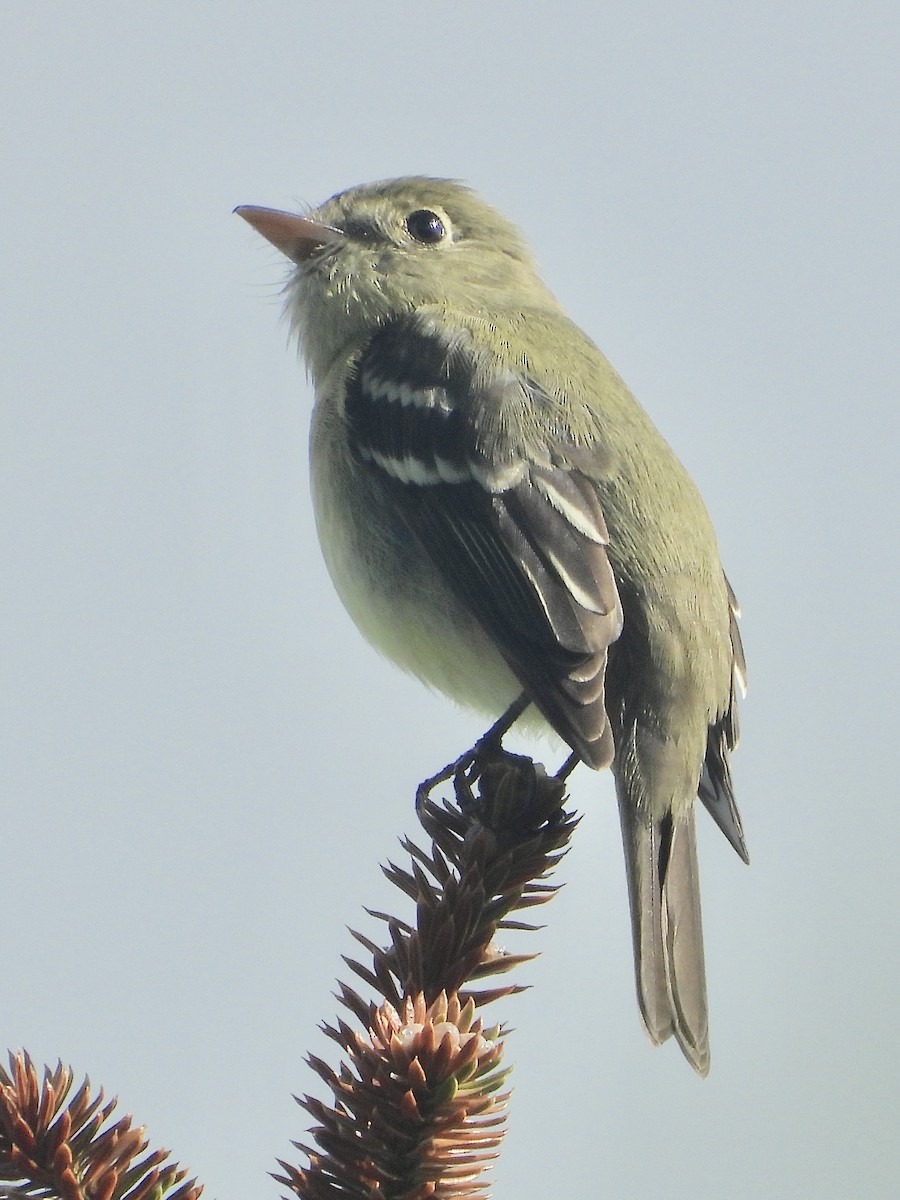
500 516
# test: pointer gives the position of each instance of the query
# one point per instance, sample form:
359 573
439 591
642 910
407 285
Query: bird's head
382 249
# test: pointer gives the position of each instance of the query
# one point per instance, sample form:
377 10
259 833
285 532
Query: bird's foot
469 765
466 770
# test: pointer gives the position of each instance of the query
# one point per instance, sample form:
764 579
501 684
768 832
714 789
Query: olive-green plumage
498 514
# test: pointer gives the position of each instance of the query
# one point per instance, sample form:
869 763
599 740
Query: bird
501 518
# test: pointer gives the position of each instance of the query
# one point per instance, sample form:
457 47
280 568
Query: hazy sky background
203 764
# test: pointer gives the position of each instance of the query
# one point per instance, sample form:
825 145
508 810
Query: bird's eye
426 226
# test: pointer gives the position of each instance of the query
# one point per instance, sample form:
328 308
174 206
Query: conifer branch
417 1108
53 1150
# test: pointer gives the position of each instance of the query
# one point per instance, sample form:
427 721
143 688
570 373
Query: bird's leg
467 762
494 736
568 766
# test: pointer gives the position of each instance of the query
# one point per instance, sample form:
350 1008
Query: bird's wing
716 790
515 531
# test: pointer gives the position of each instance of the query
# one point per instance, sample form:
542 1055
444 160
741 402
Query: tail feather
663 889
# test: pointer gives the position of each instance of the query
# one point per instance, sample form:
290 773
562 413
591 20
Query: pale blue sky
203 764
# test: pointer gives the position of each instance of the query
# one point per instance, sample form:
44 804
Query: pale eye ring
426 227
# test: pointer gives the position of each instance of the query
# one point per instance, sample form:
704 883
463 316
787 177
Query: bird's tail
664 893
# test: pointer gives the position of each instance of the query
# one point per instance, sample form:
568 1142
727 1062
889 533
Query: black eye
426 226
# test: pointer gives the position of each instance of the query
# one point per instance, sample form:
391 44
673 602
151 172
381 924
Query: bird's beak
294 236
